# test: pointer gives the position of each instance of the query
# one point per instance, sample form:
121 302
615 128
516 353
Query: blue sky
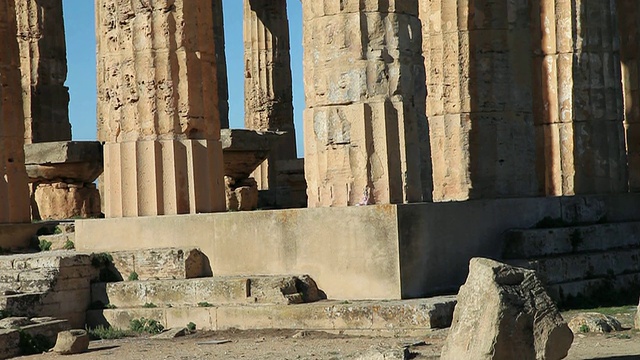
81 44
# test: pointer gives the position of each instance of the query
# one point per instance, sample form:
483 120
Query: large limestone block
168 263
65 201
503 312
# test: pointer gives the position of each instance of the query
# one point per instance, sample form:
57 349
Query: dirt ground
293 345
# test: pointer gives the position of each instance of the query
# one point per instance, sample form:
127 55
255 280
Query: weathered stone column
43 58
628 20
268 85
365 93
157 108
14 193
221 63
578 98
479 104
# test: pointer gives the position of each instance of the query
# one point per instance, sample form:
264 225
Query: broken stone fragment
171 333
72 342
503 312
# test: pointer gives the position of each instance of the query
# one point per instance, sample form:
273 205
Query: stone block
58 201
214 291
72 342
63 152
244 150
17 236
161 263
504 313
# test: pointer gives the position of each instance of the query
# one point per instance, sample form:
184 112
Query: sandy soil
288 345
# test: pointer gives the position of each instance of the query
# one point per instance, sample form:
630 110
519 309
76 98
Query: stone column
43 58
14 192
158 108
479 105
221 63
366 140
268 84
629 28
578 97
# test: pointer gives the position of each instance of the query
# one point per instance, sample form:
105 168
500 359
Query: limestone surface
503 312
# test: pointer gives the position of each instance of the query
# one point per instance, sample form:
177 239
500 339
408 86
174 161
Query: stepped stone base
366 252
400 315
55 283
217 290
580 262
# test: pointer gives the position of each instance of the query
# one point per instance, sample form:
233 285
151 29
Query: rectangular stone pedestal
367 252
17 236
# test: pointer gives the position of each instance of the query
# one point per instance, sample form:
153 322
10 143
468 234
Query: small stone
171 333
380 353
594 322
301 334
72 342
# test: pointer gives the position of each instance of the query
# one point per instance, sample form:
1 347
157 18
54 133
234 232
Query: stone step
394 315
155 264
584 266
214 290
573 293
536 243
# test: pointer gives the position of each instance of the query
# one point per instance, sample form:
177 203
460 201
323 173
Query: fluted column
629 28
43 58
268 85
366 138
14 193
479 104
578 97
158 108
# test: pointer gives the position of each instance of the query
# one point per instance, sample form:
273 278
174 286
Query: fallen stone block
72 342
594 322
503 312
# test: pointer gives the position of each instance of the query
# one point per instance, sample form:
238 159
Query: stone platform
344 316
355 253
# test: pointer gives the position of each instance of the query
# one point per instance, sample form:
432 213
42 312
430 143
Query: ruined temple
434 131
